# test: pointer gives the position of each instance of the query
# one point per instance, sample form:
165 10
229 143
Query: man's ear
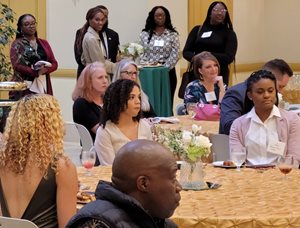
142 183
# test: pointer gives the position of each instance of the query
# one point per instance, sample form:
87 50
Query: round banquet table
156 84
248 199
186 122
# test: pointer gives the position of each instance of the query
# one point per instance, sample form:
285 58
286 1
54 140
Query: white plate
220 164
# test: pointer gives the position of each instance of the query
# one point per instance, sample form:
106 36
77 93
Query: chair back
220 147
85 137
6 222
76 139
180 109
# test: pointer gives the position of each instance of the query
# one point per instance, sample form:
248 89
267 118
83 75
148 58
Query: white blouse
110 139
259 136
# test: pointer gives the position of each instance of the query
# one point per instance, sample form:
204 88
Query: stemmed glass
191 109
286 164
88 160
238 156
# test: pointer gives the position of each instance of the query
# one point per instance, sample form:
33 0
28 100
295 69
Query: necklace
33 44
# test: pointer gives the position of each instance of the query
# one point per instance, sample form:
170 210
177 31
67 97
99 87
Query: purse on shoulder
210 112
187 77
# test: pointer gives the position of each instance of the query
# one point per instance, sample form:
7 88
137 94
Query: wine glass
191 109
88 160
238 156
286 164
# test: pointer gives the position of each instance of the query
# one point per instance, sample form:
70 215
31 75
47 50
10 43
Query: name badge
276 148
211 96
159 43
206 34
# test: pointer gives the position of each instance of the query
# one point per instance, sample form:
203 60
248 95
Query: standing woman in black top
216 35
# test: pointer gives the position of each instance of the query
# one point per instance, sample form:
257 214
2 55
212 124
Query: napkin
165 119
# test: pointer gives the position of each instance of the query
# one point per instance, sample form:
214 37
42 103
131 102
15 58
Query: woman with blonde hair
128 69
38 182
88 96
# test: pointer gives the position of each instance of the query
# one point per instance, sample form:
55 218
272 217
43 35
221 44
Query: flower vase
191 175
137 60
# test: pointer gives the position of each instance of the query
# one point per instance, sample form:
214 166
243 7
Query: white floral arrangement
187 145
133 49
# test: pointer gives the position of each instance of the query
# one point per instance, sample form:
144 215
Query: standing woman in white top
92 47
121 120
161 42
267 131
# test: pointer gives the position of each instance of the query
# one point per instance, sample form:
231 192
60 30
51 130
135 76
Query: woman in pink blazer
267 132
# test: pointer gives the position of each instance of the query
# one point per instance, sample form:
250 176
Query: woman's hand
220 83
43 70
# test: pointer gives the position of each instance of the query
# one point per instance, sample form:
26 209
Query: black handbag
187 77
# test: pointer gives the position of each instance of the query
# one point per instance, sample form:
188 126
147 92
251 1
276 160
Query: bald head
146 171
138 157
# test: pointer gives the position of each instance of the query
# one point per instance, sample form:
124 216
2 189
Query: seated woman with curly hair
38 182
128 69
121 120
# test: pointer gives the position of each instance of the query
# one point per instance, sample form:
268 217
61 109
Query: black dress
41 209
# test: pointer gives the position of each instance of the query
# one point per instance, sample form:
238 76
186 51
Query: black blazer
113 44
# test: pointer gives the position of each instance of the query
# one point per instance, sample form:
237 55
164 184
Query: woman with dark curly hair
38 182
25 53
161 42
121 120
216 35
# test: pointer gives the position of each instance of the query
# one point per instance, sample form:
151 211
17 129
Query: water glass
191 109
286 165
88 160
238 156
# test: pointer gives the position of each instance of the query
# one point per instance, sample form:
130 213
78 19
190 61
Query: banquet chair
180 109
220 147
76 139
6 222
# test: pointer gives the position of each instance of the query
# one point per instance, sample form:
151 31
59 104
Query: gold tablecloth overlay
247 199
186 122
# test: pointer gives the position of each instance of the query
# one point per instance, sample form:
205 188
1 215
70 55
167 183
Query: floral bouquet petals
189 146
133 49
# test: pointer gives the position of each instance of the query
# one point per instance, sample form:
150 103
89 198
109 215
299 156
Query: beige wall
248 18
282 30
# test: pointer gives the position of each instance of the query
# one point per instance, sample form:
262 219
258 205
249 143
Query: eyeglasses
27 24
216 10
130 73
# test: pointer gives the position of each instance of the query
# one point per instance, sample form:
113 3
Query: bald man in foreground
144 191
